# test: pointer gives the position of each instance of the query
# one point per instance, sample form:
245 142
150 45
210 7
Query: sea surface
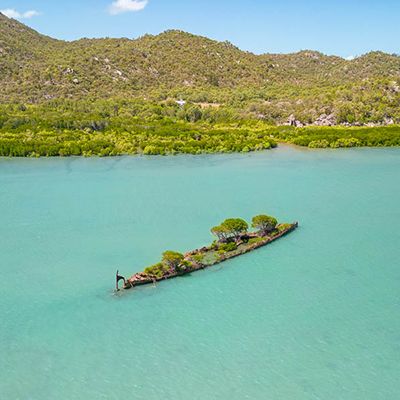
315 315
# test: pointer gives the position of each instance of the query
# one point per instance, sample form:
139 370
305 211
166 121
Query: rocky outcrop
331 120
292 121
388 121
326 120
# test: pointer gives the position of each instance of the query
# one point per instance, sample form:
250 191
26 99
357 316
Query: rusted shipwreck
205 257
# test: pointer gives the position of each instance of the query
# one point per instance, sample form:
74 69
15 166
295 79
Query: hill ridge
172 64
190 34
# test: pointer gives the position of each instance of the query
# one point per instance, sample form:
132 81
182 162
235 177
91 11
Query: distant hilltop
179 65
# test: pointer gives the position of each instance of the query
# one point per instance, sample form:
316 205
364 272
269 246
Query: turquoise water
315 315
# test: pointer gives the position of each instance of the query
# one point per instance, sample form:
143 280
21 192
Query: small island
233 239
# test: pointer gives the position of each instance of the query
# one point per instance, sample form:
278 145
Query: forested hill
36 69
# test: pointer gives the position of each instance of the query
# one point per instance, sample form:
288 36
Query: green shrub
283 227
158 270
172 258
184 266
255 240
318 144
226 247
198 257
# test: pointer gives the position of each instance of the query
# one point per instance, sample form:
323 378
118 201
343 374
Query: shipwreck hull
140 280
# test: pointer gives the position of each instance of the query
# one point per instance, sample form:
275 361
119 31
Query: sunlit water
315 315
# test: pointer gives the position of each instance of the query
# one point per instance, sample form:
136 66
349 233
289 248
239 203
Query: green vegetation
106 128
119 96
282 227
221 232
206 73
171 262
172 258
109 128
158 270
335 137
255 240
235 227
226 247
209 257
231 228
148 140
234 241
264 224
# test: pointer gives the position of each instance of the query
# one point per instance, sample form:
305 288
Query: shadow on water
114 163
107 164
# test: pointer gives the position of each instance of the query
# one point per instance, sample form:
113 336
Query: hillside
35 69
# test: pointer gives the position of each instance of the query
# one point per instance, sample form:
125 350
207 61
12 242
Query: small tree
221 232
158 270
231 228
172 259
264 223
235 227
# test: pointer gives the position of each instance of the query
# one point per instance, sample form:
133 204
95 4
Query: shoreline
281 145
166 139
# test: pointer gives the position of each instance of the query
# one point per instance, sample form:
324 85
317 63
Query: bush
283 227
198 257
255 240
231 246
172 258
318 144
184 266
158 270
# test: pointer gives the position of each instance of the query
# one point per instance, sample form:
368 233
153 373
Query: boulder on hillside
292 121
326 120
388 121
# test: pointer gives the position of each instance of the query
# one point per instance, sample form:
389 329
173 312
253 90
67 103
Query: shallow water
315 315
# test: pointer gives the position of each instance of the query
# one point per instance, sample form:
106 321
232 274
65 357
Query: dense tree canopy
66 128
